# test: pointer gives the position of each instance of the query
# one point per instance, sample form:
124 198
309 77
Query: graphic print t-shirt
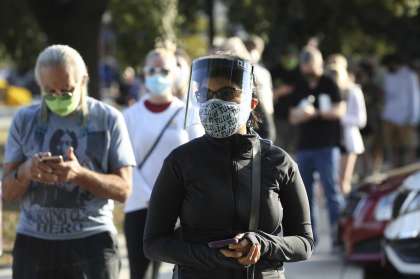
66 211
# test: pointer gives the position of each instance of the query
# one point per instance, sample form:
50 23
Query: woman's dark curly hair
254 120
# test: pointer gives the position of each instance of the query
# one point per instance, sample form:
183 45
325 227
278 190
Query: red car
368 211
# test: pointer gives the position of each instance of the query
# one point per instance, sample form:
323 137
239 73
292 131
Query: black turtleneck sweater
207 184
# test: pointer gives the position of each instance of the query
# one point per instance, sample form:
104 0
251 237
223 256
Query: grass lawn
9 220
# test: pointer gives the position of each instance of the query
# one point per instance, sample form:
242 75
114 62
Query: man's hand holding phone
67 171
52 159
48 169
38 168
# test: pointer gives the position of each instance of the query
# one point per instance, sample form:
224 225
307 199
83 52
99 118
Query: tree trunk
75 23
169 12
210 14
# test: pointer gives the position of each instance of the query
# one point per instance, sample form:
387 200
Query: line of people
182 161
68 158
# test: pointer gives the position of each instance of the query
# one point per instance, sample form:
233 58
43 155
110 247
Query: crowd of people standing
70 156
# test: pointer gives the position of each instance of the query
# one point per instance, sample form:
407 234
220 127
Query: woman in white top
156 126
352 121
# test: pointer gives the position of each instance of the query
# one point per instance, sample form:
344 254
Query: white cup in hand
324 102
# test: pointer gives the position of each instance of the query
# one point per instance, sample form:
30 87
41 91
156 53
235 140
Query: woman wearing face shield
212 185
156 126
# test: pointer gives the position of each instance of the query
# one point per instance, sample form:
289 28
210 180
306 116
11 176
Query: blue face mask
157 85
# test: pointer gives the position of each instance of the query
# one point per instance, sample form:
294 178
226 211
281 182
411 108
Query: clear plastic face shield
219 85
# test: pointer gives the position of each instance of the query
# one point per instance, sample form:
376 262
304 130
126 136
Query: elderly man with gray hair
66 160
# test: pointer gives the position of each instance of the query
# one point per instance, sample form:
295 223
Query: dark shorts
93 257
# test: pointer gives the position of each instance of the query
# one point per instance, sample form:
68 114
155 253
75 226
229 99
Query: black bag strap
158 139
255 186
254 217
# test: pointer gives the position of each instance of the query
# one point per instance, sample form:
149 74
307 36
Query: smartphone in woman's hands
224 243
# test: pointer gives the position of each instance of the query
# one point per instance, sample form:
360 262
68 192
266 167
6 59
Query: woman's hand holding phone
244 251
223 243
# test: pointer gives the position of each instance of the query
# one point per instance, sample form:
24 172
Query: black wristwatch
15 174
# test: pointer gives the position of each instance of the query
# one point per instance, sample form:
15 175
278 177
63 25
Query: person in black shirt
316 109
207 184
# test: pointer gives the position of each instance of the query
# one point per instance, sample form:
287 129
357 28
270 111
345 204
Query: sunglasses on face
156 70
225 94
63 94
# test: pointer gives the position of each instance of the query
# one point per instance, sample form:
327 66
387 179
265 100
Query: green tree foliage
193 27
20 36
363 26
139 24
76 23
189 14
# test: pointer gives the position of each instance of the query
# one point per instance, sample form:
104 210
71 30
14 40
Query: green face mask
63 104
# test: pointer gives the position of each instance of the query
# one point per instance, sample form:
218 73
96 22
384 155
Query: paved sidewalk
322 265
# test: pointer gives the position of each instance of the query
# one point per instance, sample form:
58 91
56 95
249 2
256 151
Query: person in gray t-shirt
66 160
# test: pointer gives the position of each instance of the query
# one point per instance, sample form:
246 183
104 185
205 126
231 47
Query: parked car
368 211
402 235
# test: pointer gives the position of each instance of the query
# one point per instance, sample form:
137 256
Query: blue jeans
324 161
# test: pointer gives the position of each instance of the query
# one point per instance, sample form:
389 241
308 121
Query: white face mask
220 119
157 85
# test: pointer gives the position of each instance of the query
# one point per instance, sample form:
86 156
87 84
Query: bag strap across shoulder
255 186
158 138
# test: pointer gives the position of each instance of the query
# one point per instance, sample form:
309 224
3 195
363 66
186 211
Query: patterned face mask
220 119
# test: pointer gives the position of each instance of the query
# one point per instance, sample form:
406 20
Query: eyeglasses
226 93
156 70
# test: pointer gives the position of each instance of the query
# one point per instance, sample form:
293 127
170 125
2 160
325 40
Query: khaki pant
401 142
400 135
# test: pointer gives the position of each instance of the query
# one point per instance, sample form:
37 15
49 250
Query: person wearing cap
156 126
66 160
317 108
228 186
